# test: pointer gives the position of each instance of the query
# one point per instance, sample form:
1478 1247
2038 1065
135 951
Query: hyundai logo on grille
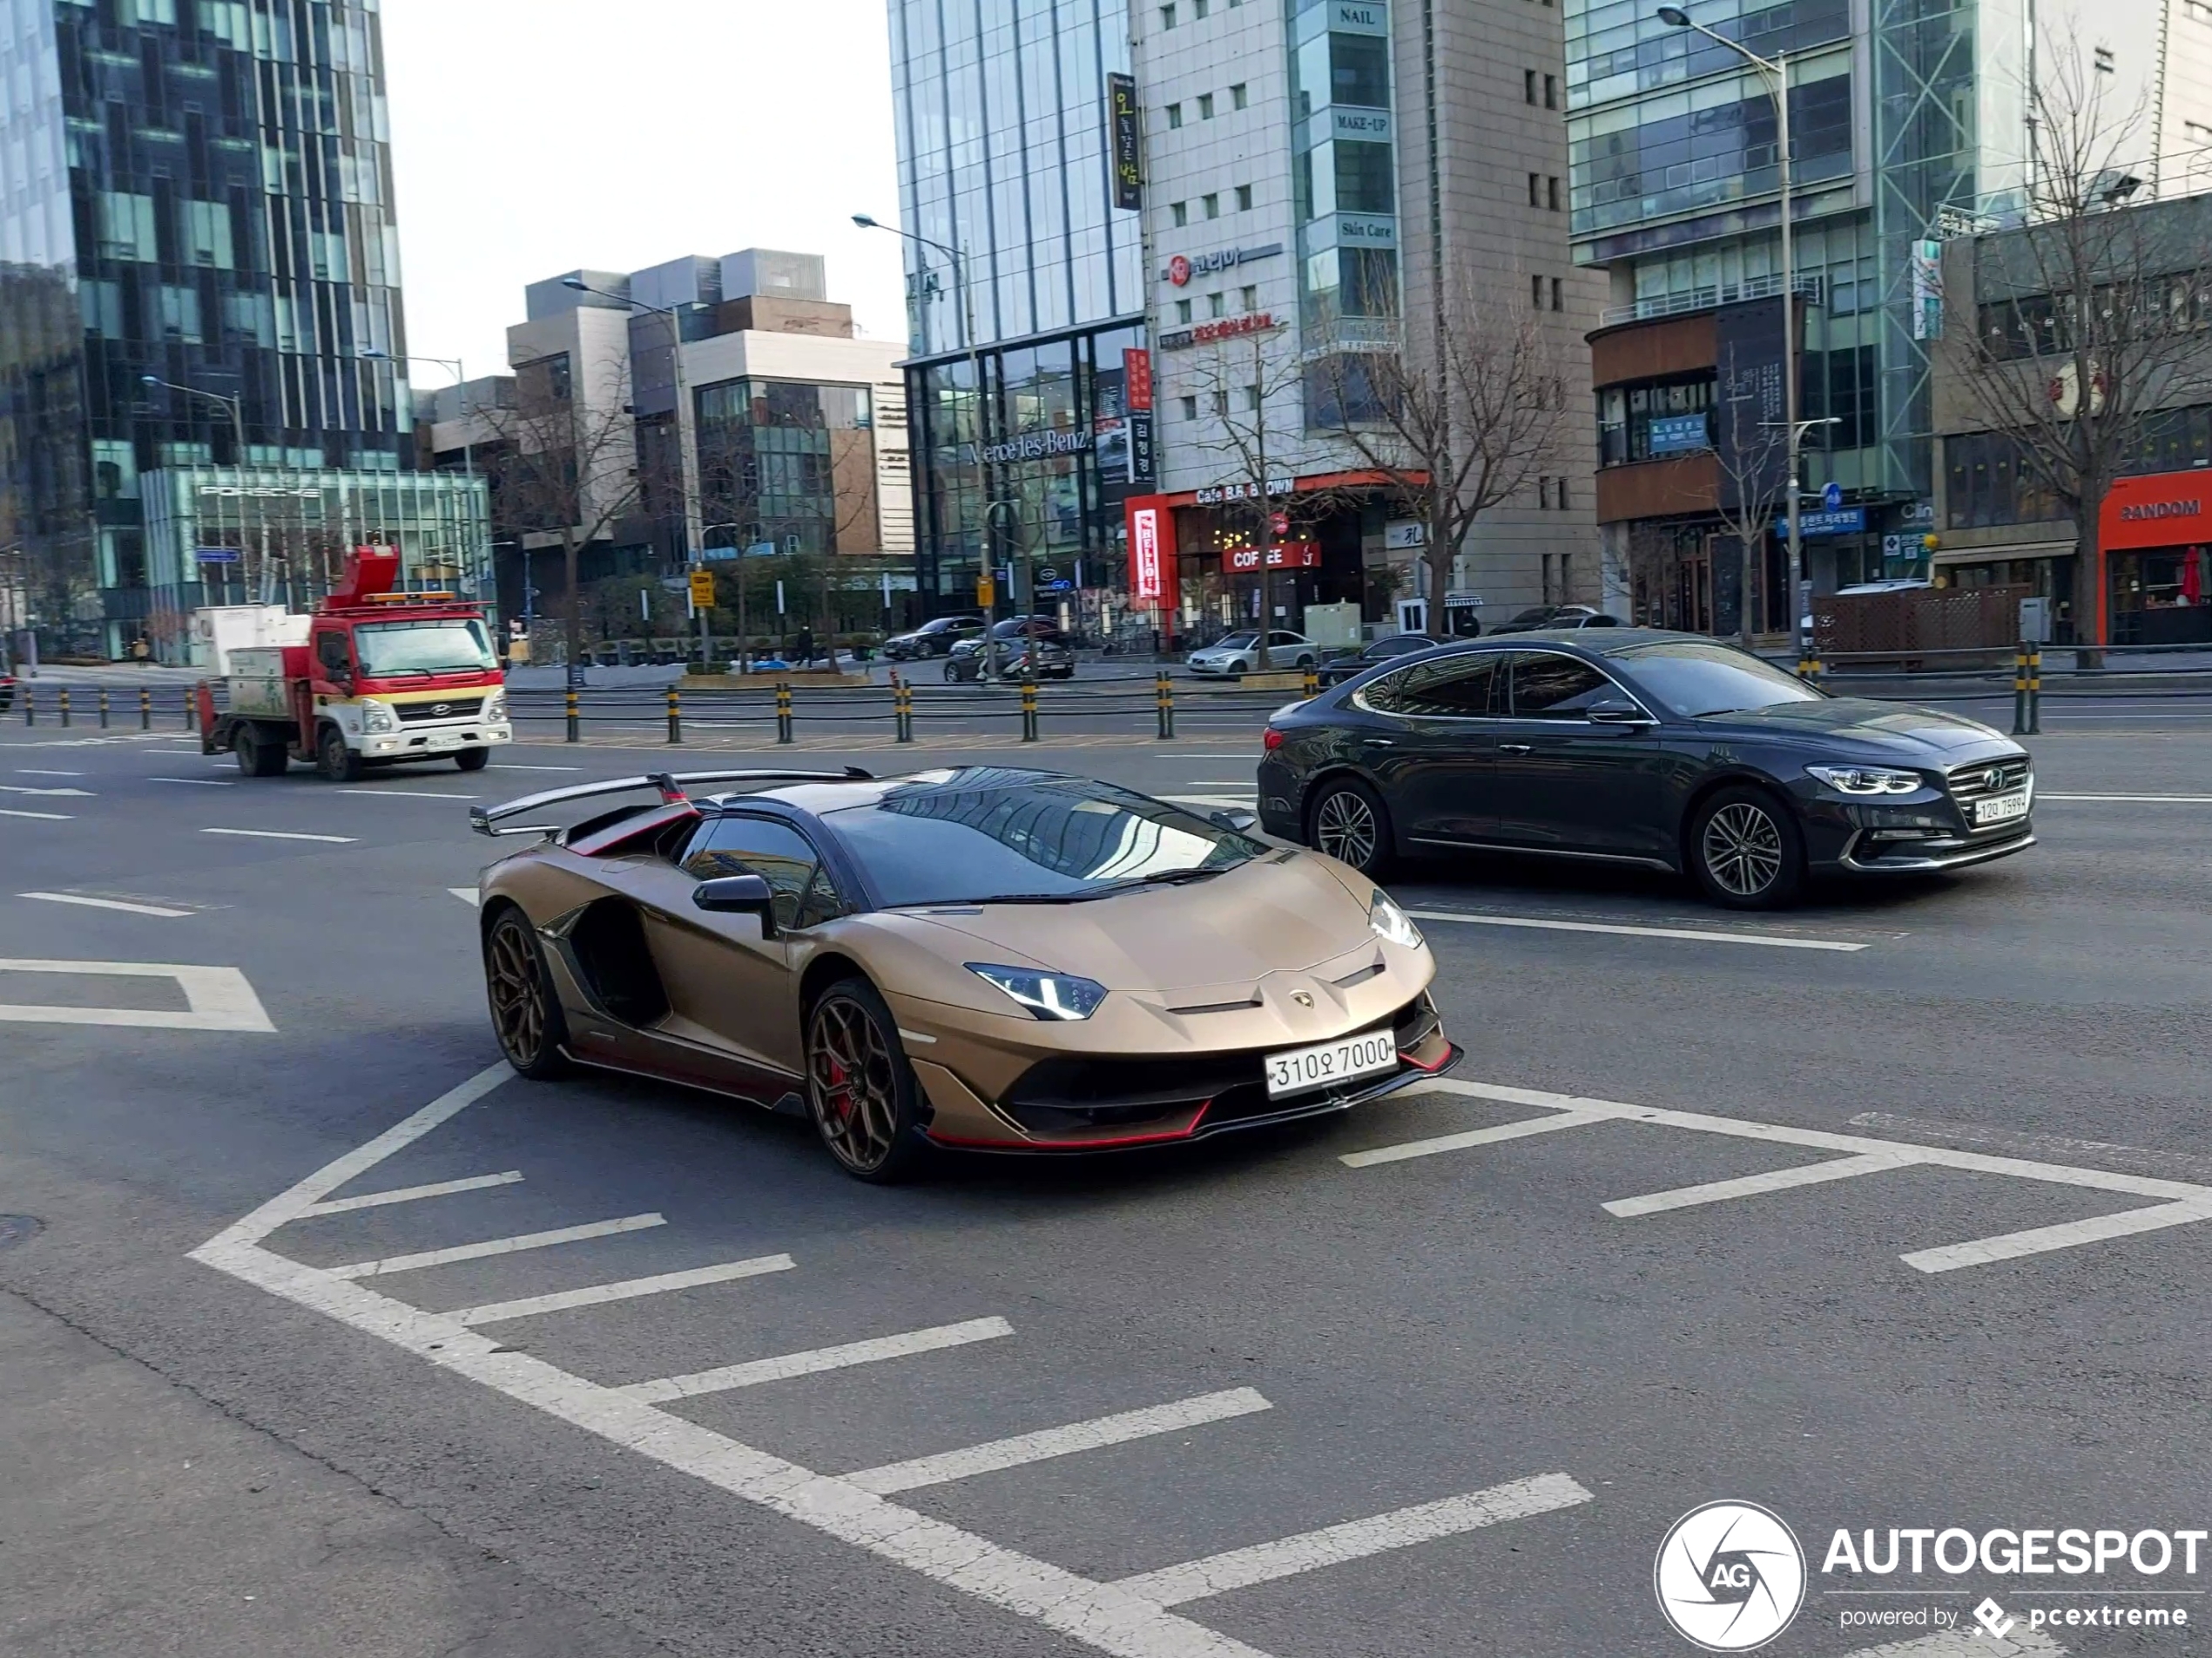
1993 779
439 710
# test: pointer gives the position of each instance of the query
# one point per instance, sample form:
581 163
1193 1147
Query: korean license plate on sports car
2001 808
1302 1068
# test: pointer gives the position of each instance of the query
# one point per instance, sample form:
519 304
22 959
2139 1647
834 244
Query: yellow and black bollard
63 695
146 708
783 710
902 709
2035 691
30 707
1312 687
675 715
103 709
576 717
2019 688
1163 691
1028 711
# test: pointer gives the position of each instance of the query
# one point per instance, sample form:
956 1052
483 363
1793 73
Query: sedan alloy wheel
1351 826
1745 852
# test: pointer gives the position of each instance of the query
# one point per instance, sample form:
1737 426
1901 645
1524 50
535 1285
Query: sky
531 138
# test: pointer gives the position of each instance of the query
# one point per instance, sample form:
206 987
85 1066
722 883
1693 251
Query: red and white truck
382 677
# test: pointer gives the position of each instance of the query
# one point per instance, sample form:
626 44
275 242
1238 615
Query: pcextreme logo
1729 1576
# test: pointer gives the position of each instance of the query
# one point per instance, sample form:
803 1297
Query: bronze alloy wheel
1351 826
860 1091
524 1014
1745 851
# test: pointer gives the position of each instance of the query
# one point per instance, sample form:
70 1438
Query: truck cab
383 677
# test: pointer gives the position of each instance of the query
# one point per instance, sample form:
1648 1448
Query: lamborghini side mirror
738 895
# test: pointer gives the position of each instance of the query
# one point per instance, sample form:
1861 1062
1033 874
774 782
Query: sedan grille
1978 781
457 708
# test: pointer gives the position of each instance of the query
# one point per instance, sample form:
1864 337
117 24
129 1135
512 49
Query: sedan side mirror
1616 710
1234 819
739 895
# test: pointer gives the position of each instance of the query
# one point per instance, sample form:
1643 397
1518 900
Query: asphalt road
1521 1387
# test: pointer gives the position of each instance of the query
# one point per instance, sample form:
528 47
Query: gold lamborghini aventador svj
986 958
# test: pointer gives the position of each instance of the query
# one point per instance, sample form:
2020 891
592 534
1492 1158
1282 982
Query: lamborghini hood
1280 912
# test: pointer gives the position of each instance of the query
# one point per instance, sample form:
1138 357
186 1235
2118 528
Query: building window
1544 499
1221 402
1212 204
1535 294
1243 199
1558 294
1179 212
1175 116
1529 84
1562 501
1182 310
1197 11
1190 407
1251 297
2105 64
1551 91
1216 305
1552 193
1167 17
1236 96
1205 106
1535 183
1252 399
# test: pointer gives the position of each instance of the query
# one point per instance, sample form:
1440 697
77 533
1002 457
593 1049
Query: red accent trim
1449 1051
1112 1143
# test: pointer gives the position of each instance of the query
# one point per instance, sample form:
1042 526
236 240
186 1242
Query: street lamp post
235 407
1775 71
974 370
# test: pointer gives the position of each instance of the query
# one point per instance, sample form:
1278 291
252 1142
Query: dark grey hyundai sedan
1634 746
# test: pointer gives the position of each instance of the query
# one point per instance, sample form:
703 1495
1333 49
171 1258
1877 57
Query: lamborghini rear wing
483 819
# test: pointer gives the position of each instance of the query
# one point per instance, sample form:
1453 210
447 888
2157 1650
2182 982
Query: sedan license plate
1300 1069
2000 809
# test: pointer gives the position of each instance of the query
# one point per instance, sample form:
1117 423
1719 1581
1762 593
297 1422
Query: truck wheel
333 759
257 755
472 759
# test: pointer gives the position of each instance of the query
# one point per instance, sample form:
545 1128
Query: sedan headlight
377 717
496 705
1393 923
1867 780
1047 995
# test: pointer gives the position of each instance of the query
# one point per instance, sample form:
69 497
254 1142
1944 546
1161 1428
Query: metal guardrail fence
104 706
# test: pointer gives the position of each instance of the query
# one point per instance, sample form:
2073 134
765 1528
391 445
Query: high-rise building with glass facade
197 246
1025 295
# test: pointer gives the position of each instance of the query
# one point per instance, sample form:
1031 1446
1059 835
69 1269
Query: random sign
1152 552
1289 555
1226 328
703 589
1123 141
1184 266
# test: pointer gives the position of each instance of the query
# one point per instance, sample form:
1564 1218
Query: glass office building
1022 443
199 192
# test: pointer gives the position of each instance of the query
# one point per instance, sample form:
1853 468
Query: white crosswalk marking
593 1295
496 1246
1719 1191
814 1359
1401 1528
410 1194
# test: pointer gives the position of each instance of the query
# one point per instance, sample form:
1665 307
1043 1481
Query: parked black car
934 637
1637 747
1337 669
1552 616
1052 657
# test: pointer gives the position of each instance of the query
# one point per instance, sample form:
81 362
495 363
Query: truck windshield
454 646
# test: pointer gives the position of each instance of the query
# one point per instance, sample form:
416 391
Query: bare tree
565 460
1241 388
2092 316
1755 482
1458 422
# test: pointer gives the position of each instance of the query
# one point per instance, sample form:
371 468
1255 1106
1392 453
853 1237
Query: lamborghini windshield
984 834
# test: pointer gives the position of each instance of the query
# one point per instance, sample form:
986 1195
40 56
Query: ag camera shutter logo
1729 1576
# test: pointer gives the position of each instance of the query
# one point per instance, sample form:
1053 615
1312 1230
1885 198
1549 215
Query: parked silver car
1234 655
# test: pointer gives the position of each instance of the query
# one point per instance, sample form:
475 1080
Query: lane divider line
1066 1440
1772 942
25 788
2036 1240
625 1290
410 1194
495 1246
407 794
1354 1539
102 903
50 817
815 1359
1720 1192
199 782
1473 1137
2133 799
282 834
467 895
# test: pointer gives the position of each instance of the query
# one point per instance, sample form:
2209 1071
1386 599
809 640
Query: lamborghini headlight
1867 780
1393 923
377 717
1047 995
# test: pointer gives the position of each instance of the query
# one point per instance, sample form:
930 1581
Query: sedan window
1454 688
1696 679
775 851
1548 687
